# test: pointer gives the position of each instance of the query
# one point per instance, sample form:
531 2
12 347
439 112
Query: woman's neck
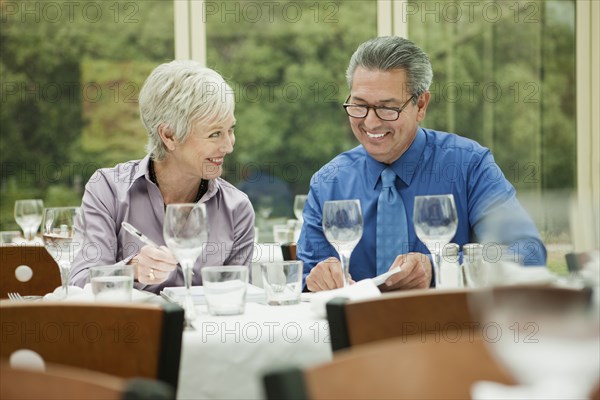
174 186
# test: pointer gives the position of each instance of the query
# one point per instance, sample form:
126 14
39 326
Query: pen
131 229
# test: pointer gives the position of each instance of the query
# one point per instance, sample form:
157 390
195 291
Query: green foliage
289 116
516 85
70 85
69 92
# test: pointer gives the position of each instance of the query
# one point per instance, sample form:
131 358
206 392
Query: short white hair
179 94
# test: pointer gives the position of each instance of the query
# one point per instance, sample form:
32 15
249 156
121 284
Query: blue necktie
392 230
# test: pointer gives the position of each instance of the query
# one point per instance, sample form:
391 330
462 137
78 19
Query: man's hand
152 265
326 275
415 273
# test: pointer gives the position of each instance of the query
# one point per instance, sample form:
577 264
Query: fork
15 296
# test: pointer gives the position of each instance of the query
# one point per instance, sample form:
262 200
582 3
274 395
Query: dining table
225 357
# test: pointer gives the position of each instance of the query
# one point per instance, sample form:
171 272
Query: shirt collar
404 167
142 171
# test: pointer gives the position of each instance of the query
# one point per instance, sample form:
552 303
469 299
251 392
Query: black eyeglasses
383 113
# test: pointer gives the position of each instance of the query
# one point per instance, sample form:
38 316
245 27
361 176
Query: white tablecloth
226 357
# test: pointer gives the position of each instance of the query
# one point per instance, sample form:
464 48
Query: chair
392 369
442 314
402 314
63 382
137 340
28 270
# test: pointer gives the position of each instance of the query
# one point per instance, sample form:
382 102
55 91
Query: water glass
299 201
436 221
185 230
283 234
547 337
64 234
343 228
112 283
8 237
225 289
28 214
282 281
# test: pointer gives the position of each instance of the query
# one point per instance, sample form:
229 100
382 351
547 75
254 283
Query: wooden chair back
422 313
28 270
63 382
438 314
393 369
137 340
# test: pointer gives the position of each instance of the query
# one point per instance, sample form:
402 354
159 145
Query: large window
286 61
71 72
504 75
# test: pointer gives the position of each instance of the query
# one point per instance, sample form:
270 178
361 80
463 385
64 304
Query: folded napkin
547 389
362 290
75 294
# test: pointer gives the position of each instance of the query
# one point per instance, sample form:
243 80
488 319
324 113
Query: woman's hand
153 265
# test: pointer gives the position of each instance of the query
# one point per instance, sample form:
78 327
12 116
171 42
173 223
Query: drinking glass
343 227
299 202
547 337
185 230
225 289
265 206
28 214
63 233
435 222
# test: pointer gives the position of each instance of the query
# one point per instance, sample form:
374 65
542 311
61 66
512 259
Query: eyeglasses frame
375 108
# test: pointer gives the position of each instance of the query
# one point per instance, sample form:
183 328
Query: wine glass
63 234
186 231
548 337
435 222
299 202
28 214
343 227
265 206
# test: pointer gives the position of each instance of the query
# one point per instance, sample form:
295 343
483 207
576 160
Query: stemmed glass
265 206
435 222
185 230
343 227
547 337
299 202
28 214
62 231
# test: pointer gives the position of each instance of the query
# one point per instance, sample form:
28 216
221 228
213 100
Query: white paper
380 279
361 290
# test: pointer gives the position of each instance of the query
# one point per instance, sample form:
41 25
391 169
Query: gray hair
394 52
179 94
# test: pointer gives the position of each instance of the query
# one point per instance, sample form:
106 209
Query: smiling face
385 141
203 152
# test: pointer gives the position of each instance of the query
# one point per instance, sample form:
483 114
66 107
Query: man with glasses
389 79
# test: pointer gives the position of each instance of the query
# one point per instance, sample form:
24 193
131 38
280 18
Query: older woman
188 112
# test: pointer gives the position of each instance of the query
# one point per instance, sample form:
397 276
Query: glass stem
65 275
188 305
436 268
345 261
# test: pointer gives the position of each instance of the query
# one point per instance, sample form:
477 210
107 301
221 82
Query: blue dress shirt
435 163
